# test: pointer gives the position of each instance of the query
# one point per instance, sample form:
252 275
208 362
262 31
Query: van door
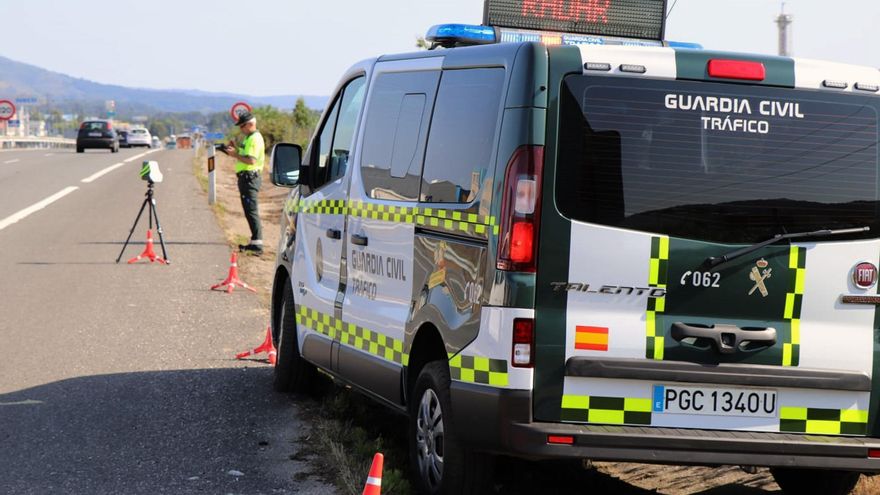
321 226
659 315
385 188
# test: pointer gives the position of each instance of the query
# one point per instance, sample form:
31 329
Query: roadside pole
212 185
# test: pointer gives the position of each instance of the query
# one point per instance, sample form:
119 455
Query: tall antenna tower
784 22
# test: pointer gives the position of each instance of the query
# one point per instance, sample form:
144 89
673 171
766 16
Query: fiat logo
864 275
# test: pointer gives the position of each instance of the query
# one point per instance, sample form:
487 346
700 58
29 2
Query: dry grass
868 486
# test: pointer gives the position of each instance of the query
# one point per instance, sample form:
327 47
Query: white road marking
98 174
28 402
113 167
15 217
49 154
12 161
135 157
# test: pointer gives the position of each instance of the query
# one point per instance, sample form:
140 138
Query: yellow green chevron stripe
451 220
657 272
823 421
797 264
478 369
377 344
606 410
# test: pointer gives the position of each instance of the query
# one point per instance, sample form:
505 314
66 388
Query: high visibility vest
252 146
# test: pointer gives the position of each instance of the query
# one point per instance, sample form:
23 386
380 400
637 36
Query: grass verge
347 427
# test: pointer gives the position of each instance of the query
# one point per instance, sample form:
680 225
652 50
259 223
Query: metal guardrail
36 142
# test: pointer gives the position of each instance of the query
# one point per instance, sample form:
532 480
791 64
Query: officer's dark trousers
249 187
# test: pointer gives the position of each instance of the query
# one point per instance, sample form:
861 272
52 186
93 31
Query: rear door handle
360 240
334 233
727 338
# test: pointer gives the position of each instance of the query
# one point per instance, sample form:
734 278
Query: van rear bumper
499 421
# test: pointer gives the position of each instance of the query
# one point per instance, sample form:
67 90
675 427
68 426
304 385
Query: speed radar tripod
153 213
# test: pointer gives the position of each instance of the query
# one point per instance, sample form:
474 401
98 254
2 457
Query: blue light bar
461 34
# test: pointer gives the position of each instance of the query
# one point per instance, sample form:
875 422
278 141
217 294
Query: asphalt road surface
118 378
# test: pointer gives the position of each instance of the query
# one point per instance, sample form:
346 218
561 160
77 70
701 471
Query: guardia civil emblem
758 275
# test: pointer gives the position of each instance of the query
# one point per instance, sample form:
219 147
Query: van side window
335 140
396 128
462 136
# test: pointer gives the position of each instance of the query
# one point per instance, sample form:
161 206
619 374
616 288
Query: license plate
95 134
715 401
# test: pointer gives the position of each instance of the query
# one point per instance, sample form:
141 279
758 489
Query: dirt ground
643 478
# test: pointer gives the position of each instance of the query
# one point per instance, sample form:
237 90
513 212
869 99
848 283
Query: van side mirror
286 161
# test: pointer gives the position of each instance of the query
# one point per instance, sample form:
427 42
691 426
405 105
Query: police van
558 236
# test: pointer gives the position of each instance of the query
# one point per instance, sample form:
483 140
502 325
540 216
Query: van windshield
716 162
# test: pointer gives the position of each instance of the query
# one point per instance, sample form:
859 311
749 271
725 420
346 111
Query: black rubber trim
483 415
720 374
695 447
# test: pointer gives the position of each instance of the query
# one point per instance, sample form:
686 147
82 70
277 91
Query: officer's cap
244 118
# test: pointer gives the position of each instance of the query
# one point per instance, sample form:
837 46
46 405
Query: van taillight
737 69
523 352
521 210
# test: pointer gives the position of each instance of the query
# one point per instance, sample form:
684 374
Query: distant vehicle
139 137
97 134
155 142
171 144
123 139
184 142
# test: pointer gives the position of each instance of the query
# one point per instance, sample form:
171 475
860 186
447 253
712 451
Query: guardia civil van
558 236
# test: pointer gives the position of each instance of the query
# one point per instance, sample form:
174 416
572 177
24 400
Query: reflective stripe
478 369
606 410
383 346
791 345
657 274
452 220
823 421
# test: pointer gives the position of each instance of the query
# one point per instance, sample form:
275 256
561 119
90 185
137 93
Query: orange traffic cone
232 280
148 253
374 480
267 346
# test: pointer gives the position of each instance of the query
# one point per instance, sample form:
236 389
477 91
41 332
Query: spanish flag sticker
591 338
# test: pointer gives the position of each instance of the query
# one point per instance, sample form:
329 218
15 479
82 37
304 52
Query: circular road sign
238 109
7 110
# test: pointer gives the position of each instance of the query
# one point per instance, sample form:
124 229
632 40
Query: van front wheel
441 464
804 481
292 372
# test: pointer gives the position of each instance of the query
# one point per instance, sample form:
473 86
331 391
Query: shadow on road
152 432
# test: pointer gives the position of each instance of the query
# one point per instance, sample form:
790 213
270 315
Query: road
119 378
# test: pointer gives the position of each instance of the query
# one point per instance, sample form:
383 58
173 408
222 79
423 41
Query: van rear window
94 126
716 162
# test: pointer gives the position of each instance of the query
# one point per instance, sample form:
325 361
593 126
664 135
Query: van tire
795 481
79 150
292 372
463 471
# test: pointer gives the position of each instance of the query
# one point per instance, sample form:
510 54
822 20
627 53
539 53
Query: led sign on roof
624 18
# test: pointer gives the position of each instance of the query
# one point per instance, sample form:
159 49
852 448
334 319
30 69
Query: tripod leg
136 220
155 213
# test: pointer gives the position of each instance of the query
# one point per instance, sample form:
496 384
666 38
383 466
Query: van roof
673 63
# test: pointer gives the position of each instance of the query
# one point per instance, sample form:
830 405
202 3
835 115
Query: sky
280 47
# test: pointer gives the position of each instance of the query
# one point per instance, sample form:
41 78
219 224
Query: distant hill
20 79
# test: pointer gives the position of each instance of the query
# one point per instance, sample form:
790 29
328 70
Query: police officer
250 157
